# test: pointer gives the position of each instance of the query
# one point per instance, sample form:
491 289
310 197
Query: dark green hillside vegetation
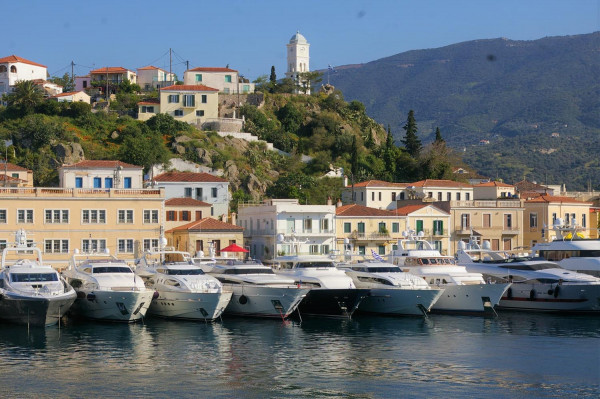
513 93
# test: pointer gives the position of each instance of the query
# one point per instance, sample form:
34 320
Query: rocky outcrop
255 187
232 174
68 153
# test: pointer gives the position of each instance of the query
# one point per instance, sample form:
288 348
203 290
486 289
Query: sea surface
514 355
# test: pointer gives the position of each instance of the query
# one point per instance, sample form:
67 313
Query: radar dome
486 245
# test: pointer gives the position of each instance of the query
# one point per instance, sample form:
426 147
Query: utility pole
107 95
72 74
170 61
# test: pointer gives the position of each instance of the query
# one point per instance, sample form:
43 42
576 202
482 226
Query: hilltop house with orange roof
185 103
72 96
101 174
14 68
12 175
374 193
225 80
199 186
541 212
151 78
114 76
199 235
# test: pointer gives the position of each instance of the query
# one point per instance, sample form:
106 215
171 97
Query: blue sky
250 36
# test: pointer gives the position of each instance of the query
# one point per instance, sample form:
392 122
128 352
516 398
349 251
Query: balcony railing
80 192
369 236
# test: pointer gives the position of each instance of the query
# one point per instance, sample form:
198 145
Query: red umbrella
234 248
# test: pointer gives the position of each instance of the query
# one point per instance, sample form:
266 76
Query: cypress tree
411 142
438 136
273 77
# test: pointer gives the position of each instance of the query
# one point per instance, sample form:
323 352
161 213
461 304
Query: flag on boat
376 256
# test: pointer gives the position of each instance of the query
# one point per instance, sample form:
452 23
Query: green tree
25 96
307 80
146 149
127 87
292 185
290 117
411 142
438 136
66 82
354 157
273 76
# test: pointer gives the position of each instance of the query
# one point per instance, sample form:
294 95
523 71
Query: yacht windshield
314 264
184 272
32 277
112 269
249 271
535 266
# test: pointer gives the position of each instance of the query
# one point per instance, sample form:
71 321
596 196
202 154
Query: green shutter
419 225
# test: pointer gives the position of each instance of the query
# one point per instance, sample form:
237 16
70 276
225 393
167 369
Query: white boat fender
243 299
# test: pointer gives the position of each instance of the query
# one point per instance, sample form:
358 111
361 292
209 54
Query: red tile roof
378 183
360 210
109 70
551 198
9 178
70 93
439 183
101 164
207 224
408 209
188 88
211 69
151 68
493 184
15 58
525 185
189 177
13 168
185 202
149 102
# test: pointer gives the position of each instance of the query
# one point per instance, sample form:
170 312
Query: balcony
362 236
50 192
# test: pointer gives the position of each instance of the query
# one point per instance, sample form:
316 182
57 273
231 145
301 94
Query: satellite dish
462 245
486 245
346 241
280 237
421 233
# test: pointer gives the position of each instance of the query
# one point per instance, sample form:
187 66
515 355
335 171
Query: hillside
513 93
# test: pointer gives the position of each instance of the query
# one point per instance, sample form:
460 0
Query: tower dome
298 39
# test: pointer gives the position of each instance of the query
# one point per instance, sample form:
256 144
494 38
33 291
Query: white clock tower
297 57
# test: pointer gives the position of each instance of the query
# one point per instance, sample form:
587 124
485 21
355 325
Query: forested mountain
513 93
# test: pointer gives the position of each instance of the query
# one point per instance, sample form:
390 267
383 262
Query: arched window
13 69
2 68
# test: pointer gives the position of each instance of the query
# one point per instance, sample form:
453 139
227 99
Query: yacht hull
263 301
469 299
189 305
34 311
332 302
122 306
544 298
390 301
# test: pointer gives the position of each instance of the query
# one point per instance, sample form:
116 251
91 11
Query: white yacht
257 290
537 285
570 250
184 290
31 292
332 293
107 289
393 291
464 292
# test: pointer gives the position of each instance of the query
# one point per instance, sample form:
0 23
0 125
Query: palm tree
25 96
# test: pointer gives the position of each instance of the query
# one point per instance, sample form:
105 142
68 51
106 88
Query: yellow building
185 103
180 211
12 175
200 234
60 220
541 212
430 221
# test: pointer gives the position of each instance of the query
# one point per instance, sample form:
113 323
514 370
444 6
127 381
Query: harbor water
514 355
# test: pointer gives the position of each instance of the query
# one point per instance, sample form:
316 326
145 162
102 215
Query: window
583 221
246 88
56 246
151 216
226 90
78 182
380 196
430 194
381 249
93 216
395 227
147 109
567 218
204 98
347 227
325 225
200 112
127 182
125 246
187 192
2 244
437 245
553 218
402 195
13 69
173 98
178 112
393 196
186 216
508 221
467 196
199 215
382 228
56 216
458 196
199 193
533 222
25 216
125 216
465 221
361 227
419 226
97 182
439 196
507 244
438 227
85 84
108 182
93 245
373 196
171 216
198 77
325 249
227 78
448 196
313 249
2 215
307 225
487 220
361 249
189 100
150 243
213 192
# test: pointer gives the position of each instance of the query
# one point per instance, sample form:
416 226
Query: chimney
233 217
339 203
329 201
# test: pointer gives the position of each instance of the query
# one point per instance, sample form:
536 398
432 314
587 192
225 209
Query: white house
14 68
101 174
200 186
226 80
151 77
283 226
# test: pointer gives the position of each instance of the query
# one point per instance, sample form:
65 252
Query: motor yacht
537 285
464 292
393 291
107 289
570 249
257 290
31 292
332 293
184 290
